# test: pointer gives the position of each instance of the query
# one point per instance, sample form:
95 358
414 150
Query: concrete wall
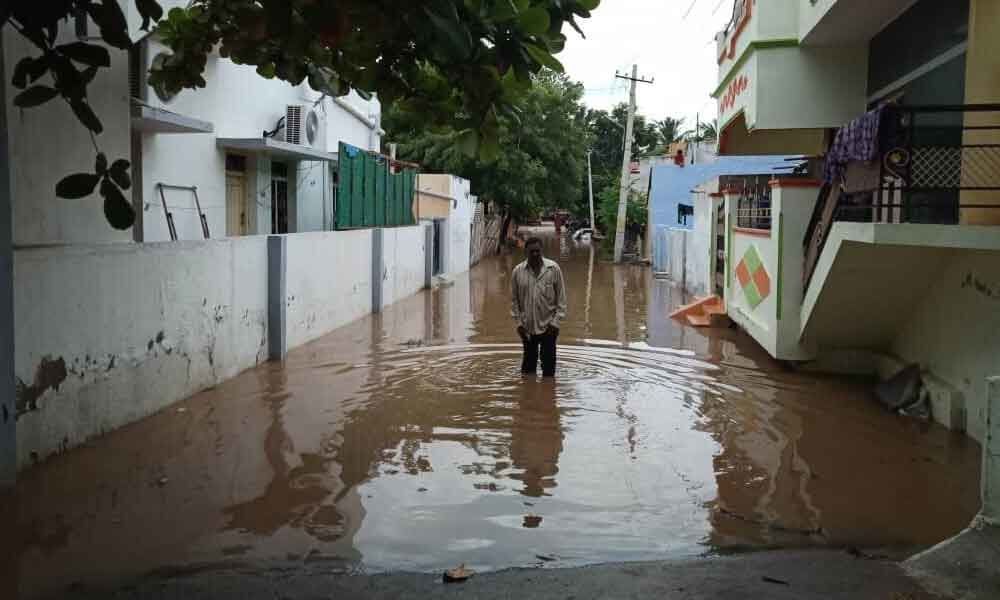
460 226
953 331
108 334
403 251
48 142
699 256
991 455
775 322
807 88
329 282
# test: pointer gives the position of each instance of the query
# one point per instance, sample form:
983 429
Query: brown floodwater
410 441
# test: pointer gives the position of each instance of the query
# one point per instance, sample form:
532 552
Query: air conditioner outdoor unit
304 127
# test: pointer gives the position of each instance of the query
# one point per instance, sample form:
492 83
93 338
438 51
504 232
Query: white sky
677 52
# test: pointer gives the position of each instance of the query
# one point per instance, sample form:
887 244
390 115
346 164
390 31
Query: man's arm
515 304
560 286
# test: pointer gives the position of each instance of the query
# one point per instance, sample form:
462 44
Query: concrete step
701 320
694 307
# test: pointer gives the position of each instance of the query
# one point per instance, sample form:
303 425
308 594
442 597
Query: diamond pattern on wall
753 277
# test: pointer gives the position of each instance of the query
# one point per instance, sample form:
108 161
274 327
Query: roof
275 148
671 185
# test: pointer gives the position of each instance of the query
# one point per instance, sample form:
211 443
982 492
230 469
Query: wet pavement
410 441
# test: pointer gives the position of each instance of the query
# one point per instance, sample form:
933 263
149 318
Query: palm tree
669 130
709 132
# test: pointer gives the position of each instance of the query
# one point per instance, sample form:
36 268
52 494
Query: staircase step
714 309
720 320
694 307
701 320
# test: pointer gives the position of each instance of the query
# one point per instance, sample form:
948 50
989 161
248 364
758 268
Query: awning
276 148
156 120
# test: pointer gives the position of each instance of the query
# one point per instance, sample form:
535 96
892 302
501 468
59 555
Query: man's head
533 248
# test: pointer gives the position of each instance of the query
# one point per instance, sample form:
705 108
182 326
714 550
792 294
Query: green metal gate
371 192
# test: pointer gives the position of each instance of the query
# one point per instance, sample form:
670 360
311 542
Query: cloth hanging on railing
858 140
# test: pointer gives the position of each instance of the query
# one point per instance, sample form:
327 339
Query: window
684 211
753 207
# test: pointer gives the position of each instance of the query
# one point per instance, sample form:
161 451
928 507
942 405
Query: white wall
774 325
804 88
403 251
955 330
460 227
699 254
48 142
124 330
328 282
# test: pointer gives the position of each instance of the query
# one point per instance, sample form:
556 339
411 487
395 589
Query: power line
690 8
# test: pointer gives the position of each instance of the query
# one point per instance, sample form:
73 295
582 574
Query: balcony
935 165
887 233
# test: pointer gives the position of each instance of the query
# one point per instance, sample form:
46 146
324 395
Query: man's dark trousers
547 343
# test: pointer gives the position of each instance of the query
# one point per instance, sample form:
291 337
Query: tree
635 213
459 63
708 132
669 130
543 160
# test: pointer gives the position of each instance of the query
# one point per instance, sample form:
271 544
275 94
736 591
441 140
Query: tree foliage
458 63
607 209
543 147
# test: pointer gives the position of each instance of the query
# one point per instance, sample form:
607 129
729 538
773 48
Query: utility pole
590 188
626 159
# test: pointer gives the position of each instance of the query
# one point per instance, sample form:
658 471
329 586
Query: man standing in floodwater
538 305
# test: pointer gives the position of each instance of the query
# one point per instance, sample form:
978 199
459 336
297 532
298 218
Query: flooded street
410 441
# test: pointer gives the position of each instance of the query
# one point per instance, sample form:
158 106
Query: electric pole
626 160
590 188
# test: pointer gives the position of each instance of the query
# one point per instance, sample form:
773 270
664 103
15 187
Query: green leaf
117 210
150 11
86 115
535 20
504 10
77 185
588 5
87 54
468 143
35 95
114 27
21 70
119 173
544 58
454 31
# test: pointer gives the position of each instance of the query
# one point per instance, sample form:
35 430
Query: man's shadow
536 436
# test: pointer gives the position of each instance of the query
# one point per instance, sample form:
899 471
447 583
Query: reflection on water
410 440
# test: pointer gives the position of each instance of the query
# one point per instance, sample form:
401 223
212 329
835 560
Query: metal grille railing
753 207
934 162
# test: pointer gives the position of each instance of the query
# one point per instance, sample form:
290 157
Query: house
890 254
681 221
446 202
266 217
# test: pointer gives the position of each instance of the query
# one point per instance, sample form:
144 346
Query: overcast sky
677 51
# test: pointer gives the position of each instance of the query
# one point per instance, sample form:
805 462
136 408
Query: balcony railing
933 162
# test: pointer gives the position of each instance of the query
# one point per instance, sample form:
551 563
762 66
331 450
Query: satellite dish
312 127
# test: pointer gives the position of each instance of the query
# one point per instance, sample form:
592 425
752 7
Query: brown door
237 219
